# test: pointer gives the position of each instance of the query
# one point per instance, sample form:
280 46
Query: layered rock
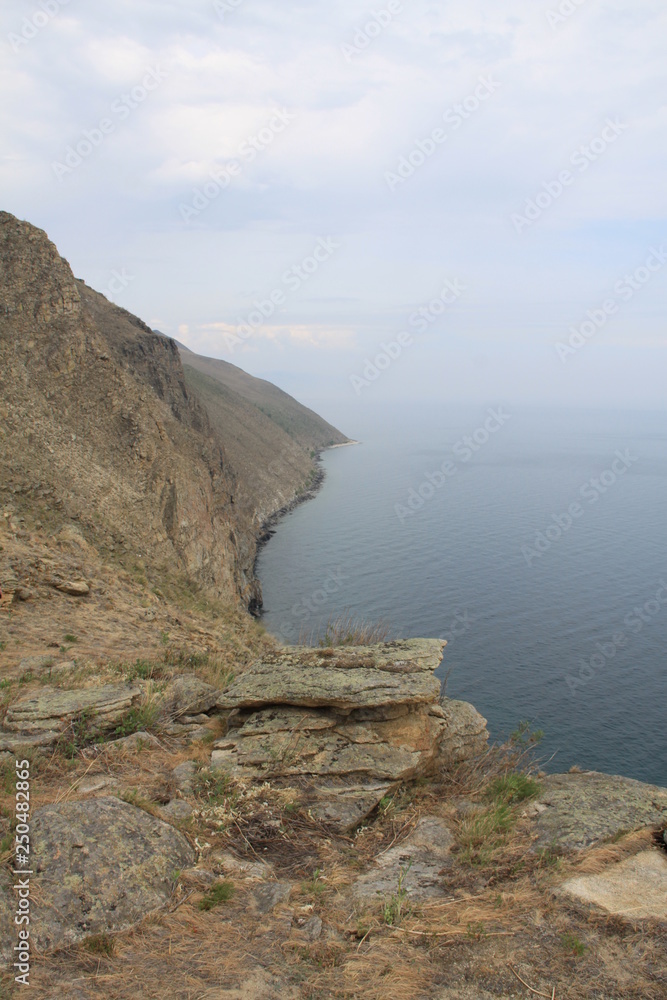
345 725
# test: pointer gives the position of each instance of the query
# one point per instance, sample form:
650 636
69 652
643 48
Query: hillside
170 471
270 438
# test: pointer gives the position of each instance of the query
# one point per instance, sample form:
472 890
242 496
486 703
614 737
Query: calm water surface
536 547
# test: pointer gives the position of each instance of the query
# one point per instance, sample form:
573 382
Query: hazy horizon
474 196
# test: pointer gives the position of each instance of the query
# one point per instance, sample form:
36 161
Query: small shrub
143 670
139 719
347 630
396 906
572 944
513 788
100 944
220 892
68 637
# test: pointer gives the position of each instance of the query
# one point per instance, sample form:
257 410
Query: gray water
573 639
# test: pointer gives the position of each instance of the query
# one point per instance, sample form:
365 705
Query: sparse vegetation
571 943
220 892
347 630
100 944
396 906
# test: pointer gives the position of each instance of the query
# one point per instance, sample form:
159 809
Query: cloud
354 119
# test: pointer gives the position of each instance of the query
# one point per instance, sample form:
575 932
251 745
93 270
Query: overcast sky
498 166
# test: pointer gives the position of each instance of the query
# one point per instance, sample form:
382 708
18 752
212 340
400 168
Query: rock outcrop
345 726
578 809
102 866
52 709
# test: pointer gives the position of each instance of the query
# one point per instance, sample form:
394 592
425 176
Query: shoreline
268 527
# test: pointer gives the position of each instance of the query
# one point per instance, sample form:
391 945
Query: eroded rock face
465 735
345 726
51 709
578 809
101 865
347 678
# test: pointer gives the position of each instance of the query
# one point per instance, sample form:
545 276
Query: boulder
187 695
577 809
101 866
346 678
635 888
75 588
52 709
417 863
465 735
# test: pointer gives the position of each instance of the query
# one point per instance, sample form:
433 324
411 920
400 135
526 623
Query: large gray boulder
577 809
101 866
345 678
52 709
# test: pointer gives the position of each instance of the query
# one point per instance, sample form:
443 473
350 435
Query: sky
365 203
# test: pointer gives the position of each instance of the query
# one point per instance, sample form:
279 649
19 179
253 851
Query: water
463 565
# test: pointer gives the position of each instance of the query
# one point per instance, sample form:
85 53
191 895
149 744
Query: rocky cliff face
99 426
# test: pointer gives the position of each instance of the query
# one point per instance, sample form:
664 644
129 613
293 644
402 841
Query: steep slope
99 425
270 438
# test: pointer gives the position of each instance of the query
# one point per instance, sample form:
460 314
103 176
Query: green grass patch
220 892
100 944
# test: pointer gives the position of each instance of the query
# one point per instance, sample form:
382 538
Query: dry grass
346 630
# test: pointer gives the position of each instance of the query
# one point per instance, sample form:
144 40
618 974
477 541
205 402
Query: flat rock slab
635 888
53 709
579 809
344 767
346 678
417 863
101 865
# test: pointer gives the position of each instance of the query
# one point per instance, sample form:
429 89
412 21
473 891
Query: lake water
537 547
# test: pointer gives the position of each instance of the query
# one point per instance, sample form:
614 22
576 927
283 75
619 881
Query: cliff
101 425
